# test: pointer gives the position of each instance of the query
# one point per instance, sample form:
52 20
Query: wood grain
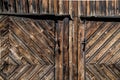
48 50
27 49
102 52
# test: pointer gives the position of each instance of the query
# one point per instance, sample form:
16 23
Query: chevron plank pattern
102 58
26 49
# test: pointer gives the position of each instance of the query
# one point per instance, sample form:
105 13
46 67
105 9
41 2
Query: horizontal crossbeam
39 16
101 18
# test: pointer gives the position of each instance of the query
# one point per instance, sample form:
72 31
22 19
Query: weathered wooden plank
74 59
79 8
75 9
66 7
60 7
1 4
60 41
75 33
23 6
35 4
105 42
97 8
88 7
113 7
83 8
104 7
45 6
118 7
70 51
57 50
30 6
109 7
70 42
38 6
51 6
91 8
79 51
65 49
81 35
55 6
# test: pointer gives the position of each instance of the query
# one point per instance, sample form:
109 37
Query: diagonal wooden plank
103 53
26 49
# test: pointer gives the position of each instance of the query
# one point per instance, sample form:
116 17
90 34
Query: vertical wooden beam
109 7
113 7
100 8
79 8
75 28
94 7
50 6
27 6
30 6
119 7
60 6
79 41
16 5
37 6
97 8
75 54
88 7
11 5
61 50
40 6
85 8
70 50
65 49
45 5
91 8
23 6
84 49
1 3
55 6
66 7
106 7
81 36
56 52
70 42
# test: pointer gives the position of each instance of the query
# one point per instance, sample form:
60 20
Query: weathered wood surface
26 49
102 55
86 7
56 50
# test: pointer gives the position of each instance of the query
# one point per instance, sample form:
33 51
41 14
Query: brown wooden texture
86 7
102 55
26 49
56 50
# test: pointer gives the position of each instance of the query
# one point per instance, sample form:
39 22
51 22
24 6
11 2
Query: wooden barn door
102 54
26 49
